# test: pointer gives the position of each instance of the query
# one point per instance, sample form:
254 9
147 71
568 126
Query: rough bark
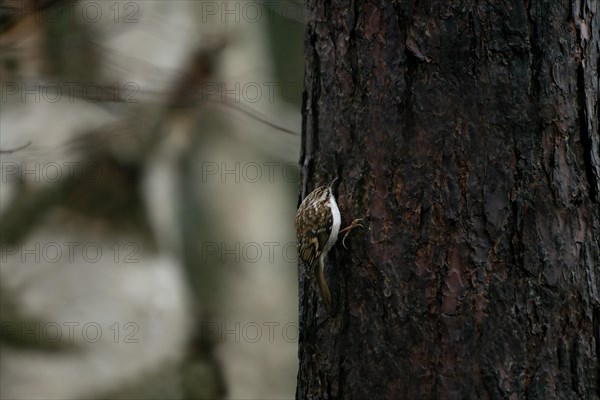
466 134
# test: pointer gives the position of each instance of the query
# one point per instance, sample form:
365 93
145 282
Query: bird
318 222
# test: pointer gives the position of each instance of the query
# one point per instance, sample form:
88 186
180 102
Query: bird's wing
314 236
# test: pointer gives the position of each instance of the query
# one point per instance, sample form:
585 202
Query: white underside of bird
335 228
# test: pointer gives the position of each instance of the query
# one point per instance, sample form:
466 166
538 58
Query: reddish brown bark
466 134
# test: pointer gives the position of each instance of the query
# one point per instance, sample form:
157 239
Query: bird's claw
355 224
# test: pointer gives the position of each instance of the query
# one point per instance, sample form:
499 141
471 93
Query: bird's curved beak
332 183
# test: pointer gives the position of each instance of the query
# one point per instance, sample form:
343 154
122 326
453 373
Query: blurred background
148 193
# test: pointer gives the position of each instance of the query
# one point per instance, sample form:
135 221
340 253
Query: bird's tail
325 294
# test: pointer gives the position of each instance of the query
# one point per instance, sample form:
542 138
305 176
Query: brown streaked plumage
318 222
317 226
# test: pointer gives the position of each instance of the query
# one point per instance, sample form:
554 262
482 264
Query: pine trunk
466 134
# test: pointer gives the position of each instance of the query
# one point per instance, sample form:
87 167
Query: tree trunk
466 134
